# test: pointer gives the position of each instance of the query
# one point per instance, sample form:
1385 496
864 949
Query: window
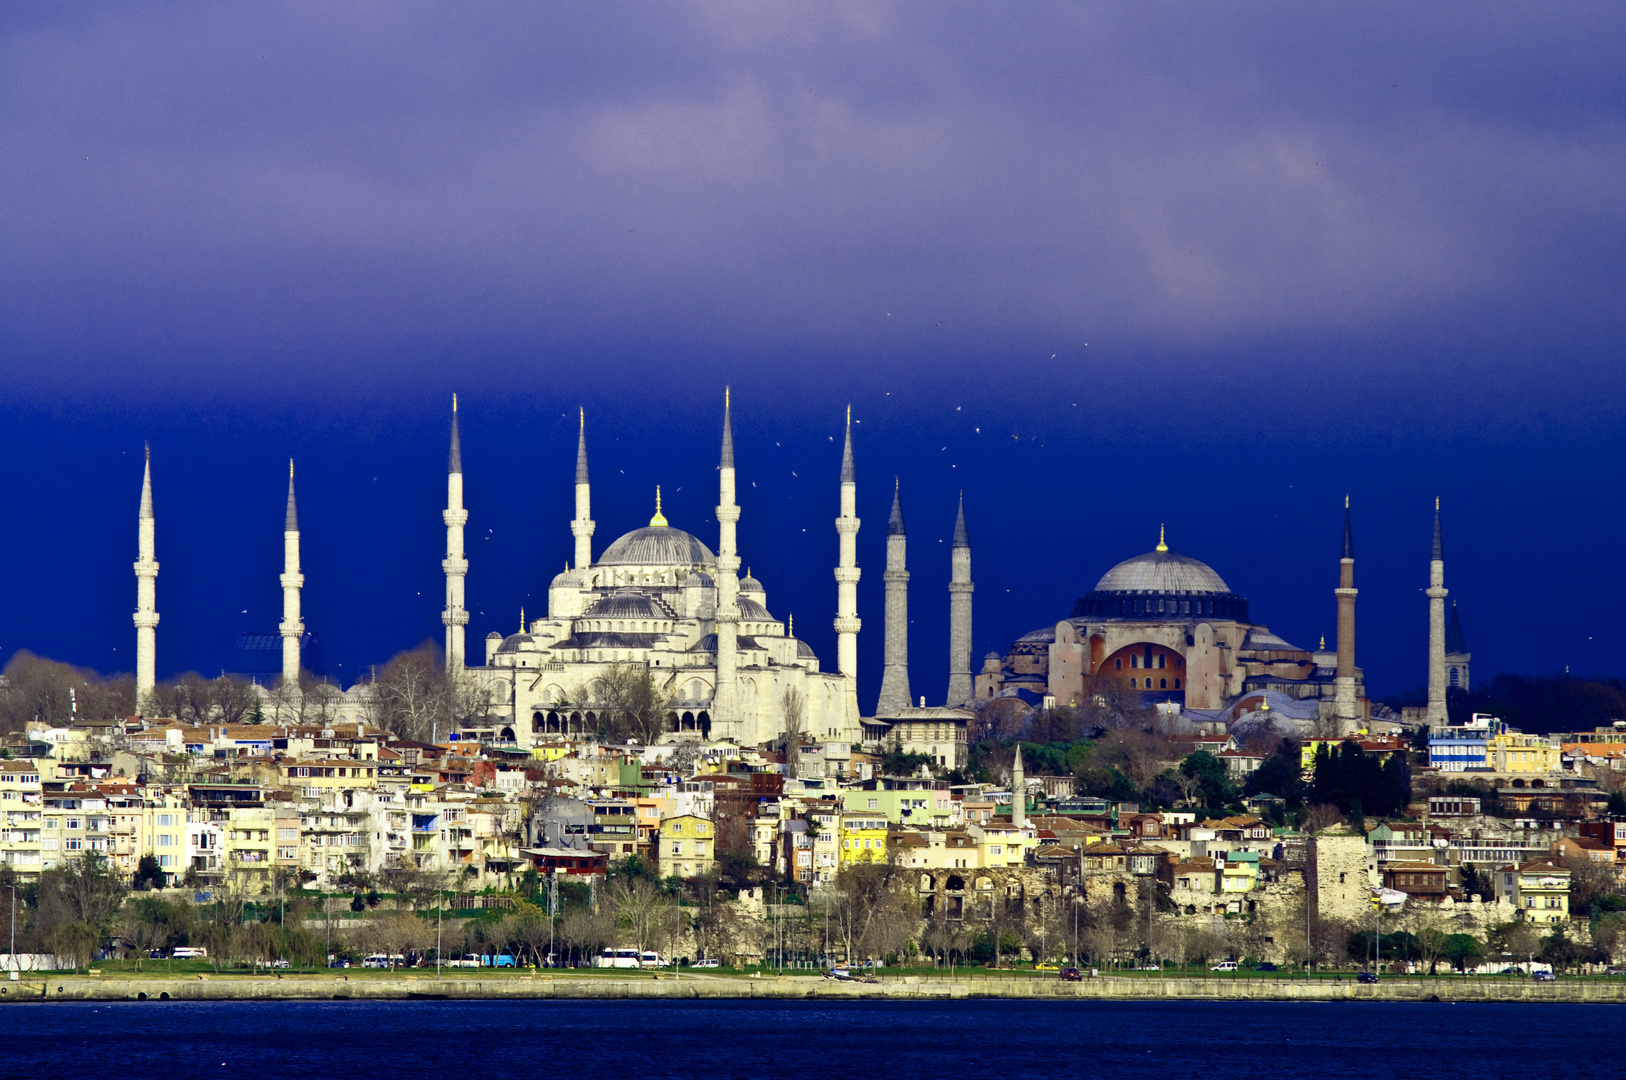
677 847
74 823
1162 684
874 804
166 840
1118 664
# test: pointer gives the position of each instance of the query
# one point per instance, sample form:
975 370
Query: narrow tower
960 587
146 613
847 623
1436 626
895 670
582 526
1344 704
1019 792
292 581
456 563
1457 656
723 705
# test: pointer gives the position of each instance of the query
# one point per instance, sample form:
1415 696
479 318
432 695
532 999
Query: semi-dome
751 611
657 545
628 604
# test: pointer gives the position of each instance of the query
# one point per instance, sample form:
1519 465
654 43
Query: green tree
1209 773
1462 950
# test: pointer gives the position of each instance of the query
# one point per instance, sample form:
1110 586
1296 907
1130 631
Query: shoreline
788 987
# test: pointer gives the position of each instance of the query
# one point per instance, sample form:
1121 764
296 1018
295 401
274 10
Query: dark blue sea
1177 1040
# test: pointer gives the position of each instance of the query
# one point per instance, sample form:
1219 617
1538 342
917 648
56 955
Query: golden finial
1161 545
454 400
1346 502
147 446
1323 643
659 520
725 397
792 626
1436 504
849 416
522 619
290 468
583 410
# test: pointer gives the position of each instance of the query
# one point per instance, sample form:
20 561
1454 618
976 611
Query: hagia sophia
1164 626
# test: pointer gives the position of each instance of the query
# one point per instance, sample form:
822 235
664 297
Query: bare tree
34 688
792 706
642 911
1318 817
634 705
408 693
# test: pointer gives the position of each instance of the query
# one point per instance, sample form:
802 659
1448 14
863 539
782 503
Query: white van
652 959
187 952
1224 965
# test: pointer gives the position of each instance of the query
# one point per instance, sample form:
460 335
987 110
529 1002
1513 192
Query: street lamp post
14 965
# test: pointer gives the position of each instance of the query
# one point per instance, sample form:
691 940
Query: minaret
847 622
1344 705
895 663
1019 792
292 581
456 563
959 689
723 704
146 614
582 527
1436 626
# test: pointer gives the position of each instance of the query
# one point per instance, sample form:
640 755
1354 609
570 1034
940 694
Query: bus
617 958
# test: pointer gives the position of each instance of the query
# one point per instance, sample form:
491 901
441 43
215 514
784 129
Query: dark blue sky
1100 267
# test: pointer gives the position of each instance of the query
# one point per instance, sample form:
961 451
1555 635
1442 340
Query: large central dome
1161 585
657 545
1162 572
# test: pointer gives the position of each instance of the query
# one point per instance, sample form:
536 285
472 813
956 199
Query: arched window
1454 677
1177 684
1118 664
1131 684
1162 684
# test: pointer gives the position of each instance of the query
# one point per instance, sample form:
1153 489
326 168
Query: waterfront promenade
395 986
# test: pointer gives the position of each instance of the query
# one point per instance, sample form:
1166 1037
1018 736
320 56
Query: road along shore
38 988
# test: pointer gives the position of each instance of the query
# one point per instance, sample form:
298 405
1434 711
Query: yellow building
20 817
1515 752
313 776
688 846
931 849
1002 845
863 838
250 844
1538 889
163 834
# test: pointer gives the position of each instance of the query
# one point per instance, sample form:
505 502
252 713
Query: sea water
1177 1040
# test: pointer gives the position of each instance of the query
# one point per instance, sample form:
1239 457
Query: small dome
567 580
804 651
750 584
628 604
512 642
1039 636
750 609
657 545
1162 572
991 656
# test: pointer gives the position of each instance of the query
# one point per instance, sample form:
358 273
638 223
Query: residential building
687 846
1539 890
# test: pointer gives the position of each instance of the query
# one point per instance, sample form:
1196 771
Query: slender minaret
1019 792
146 613
292 581
847 622
582 527
895 664
1344 705
960 587
723 706
456 563
1436 625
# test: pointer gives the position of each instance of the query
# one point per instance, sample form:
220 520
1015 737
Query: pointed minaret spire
292 627
895 670
848 476
291 523
582 526
960 688
1437 715
847 623
146 613
1019 792
455 565
726 721
1346 705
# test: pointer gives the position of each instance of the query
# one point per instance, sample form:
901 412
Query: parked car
1224 965
707 962
1071 974
1615 970
1366 977
186 952
841 974
1266 966
1542 976
1045 967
